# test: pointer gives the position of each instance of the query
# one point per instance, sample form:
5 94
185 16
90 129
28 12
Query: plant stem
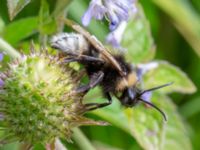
8 49
82 140
61 6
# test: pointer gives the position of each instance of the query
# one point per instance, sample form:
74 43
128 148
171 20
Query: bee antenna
154 106
158 87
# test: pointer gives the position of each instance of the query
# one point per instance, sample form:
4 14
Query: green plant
142 126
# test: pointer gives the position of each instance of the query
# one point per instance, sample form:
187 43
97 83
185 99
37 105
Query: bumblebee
111 72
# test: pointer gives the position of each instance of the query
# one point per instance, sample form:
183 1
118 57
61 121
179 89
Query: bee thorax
129 81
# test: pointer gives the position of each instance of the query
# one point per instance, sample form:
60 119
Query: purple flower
144 68
1 116
141 70
115 10
1 56
118 11
1 83
96 10
147 96
114 37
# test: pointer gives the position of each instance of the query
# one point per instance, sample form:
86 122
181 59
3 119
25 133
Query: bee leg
95 79
79 76
93 106
83 59
69 59
89 59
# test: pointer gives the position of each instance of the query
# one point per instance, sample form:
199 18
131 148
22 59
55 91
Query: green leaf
165 73
11 146
147 125
15 6
137 39
20 29
154 134
191 107
38 147
2 25
114 115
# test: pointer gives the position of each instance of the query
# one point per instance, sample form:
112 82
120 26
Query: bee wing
97 44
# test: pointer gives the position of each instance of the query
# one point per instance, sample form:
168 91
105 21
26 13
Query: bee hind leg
93 106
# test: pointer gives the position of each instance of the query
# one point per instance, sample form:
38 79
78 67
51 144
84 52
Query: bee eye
131 93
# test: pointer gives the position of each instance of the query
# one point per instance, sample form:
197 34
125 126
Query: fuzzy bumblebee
111 72
35 103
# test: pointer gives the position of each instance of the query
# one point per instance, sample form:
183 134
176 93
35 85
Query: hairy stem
82 140
8 49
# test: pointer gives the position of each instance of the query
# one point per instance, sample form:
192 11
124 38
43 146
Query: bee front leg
95 79
93 106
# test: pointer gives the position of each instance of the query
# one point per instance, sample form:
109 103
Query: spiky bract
35 100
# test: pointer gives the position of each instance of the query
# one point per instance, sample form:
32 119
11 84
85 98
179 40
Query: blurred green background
175 27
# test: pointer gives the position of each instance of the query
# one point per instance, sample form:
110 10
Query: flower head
35 100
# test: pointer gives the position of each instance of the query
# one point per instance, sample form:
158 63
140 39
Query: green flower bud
35 100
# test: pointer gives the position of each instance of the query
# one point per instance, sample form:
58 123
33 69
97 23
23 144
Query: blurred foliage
175 27
137 39
14 7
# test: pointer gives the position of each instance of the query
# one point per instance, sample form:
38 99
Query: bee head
132 96
128 97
